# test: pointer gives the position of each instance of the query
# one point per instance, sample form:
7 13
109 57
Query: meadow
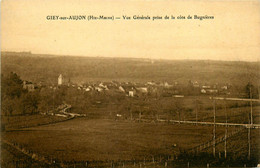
106 139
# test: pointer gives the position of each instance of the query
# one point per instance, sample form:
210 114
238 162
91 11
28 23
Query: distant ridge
39 67
151 60
16 53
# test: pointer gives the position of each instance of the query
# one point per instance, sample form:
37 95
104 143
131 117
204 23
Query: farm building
28 86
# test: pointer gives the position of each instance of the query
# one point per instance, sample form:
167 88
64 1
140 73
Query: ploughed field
107 139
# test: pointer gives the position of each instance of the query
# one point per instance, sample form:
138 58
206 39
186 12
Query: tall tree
11 85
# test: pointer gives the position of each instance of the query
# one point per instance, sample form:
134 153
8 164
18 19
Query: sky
233 34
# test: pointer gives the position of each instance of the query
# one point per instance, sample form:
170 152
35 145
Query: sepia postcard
130 83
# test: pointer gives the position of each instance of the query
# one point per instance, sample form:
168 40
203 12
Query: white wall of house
131 93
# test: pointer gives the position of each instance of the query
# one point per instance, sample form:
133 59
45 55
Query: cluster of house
130 89
133 89
127 88
212 89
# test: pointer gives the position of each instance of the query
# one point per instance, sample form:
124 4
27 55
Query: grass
11 158
16 122
101 139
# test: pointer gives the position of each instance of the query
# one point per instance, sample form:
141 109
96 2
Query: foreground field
99 139
17 122
11 158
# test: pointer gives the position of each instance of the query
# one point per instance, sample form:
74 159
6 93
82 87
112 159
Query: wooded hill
46 68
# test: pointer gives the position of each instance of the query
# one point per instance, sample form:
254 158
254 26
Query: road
212 123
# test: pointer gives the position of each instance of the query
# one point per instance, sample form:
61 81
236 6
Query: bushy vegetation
19 101
16 100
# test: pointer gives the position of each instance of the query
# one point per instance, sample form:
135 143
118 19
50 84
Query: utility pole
130 109
251 104
196 111
131 114
250 119
250 122
249 139
179 116
214 130
226 131
53 100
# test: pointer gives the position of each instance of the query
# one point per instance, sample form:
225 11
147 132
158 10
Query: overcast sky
234 34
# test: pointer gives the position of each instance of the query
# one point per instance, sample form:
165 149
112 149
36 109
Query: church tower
60 78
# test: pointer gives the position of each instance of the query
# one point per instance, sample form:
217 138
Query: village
132 89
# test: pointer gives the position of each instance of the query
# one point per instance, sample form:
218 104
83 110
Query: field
237 112
100 139
11 158
17 122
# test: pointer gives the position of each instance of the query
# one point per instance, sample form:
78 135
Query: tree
11 92
250 89
45 102
7 106
197 108
11 85
178 107
189 88
30 103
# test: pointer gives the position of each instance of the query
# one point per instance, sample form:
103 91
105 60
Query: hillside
82 69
